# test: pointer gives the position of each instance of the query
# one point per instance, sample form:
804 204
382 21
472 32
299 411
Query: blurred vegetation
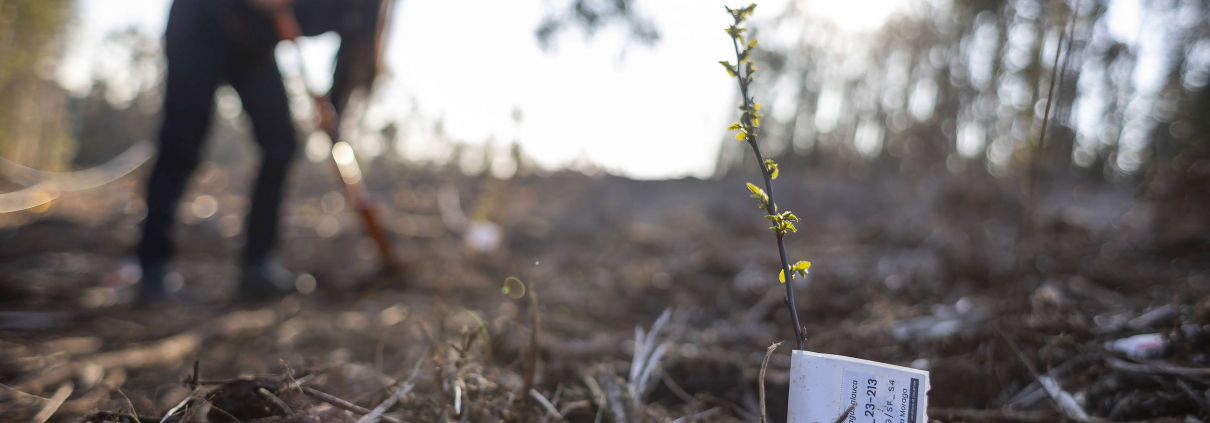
123 103
27 28
33 129
590 16
963 85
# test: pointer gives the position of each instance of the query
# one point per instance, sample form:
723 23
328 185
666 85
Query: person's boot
152 290
265 279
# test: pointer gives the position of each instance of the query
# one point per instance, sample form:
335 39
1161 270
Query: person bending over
211 42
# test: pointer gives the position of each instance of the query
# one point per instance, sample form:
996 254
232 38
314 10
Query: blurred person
211 42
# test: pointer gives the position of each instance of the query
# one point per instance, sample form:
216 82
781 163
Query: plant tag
824 386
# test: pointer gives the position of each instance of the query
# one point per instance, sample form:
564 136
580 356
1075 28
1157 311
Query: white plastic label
823 386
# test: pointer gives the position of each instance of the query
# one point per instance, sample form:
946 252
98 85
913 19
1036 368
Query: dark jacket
240 29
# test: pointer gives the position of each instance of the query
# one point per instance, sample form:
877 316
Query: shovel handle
285 23
288 29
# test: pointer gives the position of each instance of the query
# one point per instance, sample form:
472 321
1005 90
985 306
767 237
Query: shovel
343 157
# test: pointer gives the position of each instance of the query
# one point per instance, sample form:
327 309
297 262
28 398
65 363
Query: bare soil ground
929 272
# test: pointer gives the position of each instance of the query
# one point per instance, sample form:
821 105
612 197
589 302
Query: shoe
153 288
265 279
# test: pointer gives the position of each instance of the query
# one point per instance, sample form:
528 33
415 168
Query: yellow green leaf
752 44
741 136
802 266
727 65
755 189
781 276
774 175
733 127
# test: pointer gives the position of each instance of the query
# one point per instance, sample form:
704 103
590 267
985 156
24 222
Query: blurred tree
958 85
123 104
33 122
959 88
591 15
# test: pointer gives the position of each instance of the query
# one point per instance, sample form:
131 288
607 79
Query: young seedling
748 127
515 288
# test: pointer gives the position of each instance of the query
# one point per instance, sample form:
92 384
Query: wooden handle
329 122
287 28
285 23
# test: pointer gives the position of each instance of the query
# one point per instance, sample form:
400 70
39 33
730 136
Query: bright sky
637 111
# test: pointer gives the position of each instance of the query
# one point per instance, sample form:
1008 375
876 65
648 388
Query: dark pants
205 48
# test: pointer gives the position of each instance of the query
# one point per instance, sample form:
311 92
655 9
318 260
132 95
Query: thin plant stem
770 206
1050 100
1035 174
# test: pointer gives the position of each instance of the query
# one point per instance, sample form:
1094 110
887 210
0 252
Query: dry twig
550 408
620 406
280 404
1065 402
764 365
178 406
677 390
55 402
337 402
598 395
695 417
575 405
1157 367
112 381
334 401
405 387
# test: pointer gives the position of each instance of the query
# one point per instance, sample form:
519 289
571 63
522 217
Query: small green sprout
759 195
513 287
470 336
783 222
771 167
